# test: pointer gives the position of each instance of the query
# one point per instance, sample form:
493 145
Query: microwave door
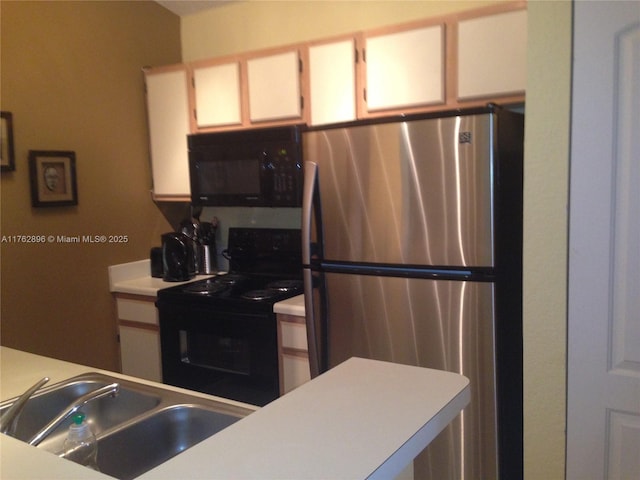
253 168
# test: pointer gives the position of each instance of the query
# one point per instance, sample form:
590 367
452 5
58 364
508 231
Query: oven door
228 354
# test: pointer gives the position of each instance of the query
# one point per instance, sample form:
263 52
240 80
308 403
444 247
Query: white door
603 418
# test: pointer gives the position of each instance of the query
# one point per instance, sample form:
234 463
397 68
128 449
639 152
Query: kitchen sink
127 453
101 414
138 429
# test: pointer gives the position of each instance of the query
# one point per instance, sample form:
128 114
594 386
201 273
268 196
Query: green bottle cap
78 418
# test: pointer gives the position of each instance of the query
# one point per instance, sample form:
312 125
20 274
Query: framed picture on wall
53 178
7 156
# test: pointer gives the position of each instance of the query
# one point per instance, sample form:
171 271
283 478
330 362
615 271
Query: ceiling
188 7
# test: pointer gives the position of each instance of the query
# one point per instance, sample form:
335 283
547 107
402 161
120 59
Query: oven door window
215 352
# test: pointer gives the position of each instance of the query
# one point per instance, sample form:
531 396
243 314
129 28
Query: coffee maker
178 257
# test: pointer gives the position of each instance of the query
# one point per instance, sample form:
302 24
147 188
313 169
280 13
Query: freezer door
417 192
447 325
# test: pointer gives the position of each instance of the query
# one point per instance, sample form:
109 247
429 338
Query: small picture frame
7 155
53 178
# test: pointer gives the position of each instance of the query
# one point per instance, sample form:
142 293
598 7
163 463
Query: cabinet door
140 353
293 332
295 371
217 95
332 81
139 337
405 68
168 113
492 55
293 358
274 87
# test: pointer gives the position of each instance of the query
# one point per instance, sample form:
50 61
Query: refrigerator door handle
309 197
308 194
312 337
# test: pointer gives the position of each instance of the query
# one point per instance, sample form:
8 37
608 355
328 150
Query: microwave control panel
282 170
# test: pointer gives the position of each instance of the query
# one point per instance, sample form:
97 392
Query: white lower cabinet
139 337
140 353
295 370
293 357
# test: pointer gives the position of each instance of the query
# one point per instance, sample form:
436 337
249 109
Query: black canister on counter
157 269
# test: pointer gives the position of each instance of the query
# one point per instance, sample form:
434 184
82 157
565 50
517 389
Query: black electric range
219 335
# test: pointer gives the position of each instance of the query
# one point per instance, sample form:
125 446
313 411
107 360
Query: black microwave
247 168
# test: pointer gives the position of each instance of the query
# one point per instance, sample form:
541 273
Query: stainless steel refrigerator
412 246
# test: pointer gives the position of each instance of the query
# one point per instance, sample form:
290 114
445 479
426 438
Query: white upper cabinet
405 68
454 61
332 81
492 55
168 113
274 86
217 94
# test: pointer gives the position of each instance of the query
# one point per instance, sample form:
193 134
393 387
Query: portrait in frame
53 178
7 155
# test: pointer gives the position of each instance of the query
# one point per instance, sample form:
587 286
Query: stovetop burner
216 285
258 295
239 288
285 285
274 289
205 288
265 268
230 279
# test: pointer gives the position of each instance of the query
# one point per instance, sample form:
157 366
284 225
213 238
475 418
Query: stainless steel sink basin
140 428
102 414
130 452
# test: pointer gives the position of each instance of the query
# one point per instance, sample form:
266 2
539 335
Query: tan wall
255 25
546 185
71 76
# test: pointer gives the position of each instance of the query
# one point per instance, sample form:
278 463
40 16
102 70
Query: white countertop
382 414
291 306
135 278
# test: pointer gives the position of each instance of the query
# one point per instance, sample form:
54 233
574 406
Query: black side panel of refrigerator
510 138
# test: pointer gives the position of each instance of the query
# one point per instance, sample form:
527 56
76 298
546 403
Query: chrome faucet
9 420
112 389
